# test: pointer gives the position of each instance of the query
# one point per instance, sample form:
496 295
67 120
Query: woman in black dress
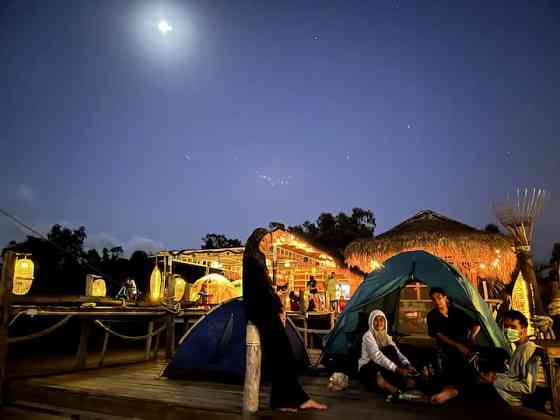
263 308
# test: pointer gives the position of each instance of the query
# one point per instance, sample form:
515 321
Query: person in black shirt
454 332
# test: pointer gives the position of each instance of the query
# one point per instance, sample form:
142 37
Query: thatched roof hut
473 252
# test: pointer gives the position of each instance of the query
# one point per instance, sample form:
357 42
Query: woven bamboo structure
518 214
473 252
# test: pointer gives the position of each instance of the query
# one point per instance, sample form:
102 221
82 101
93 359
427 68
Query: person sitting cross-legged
455 333
381 364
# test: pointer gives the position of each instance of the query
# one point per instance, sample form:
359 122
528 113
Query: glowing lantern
95 286
155 285
180 286
520 299
23 276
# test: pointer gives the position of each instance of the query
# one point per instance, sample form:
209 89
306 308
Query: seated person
520 379
381 364
294 301
454 332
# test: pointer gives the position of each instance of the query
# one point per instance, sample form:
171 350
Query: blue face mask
512 335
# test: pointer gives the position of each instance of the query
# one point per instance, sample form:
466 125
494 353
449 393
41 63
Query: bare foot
444 396
312 405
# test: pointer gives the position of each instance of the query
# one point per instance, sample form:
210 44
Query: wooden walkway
137 391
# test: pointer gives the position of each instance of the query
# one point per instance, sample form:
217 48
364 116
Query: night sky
255 111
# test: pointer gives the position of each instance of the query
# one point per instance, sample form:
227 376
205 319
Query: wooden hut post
251 387
5 300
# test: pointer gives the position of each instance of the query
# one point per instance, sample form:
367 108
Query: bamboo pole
251 387
5 299
526 267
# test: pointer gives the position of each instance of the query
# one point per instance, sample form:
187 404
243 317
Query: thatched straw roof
474 252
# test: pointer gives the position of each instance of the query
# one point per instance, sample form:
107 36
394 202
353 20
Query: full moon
164 27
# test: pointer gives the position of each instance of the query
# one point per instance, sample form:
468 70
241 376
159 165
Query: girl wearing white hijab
382 365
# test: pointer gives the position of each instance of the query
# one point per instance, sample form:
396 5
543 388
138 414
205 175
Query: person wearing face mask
520 379
382 365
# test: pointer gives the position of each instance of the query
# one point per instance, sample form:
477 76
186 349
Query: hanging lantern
180 285
520 299
95 286
155 285
23 275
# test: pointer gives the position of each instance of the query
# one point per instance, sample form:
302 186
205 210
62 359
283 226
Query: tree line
62 262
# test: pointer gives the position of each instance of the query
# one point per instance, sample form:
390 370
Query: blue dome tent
214 348
380 290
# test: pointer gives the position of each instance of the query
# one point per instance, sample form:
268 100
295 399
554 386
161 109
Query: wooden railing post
252 384
5 300
81 356
170 345
149 340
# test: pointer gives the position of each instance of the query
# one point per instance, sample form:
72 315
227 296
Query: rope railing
313 331
130 337
40 333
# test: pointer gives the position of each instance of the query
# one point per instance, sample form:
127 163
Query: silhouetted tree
58 260
276 225
216 241
334 232
492 228
140 266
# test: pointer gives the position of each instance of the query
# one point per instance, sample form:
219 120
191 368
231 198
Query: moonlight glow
164 27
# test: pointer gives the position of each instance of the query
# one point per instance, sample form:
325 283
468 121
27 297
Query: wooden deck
137 391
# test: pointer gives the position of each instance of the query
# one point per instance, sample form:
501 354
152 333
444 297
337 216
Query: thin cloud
105 240
144 244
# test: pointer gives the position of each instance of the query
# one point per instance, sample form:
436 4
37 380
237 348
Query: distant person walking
330 285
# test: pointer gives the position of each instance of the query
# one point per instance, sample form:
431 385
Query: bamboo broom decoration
518 214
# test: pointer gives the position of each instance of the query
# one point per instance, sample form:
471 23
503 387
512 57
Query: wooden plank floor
137 391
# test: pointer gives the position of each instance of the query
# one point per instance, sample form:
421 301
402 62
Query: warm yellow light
155 285
98 288
180 286
23 276
287 264
482 265
375 265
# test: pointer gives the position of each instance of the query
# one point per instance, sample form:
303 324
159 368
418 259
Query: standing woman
263 308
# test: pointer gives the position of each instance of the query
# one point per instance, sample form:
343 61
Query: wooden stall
291 262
